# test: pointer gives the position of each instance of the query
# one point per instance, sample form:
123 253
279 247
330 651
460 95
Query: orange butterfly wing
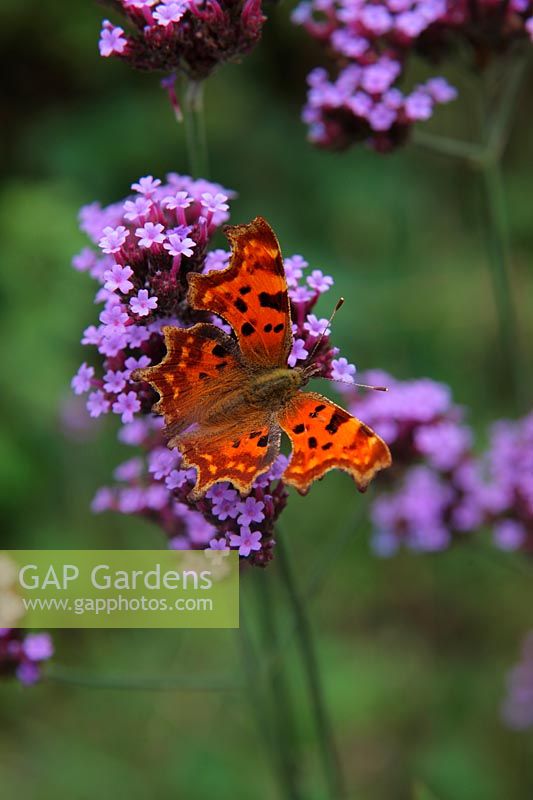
200 363
324 436
251 294
238 454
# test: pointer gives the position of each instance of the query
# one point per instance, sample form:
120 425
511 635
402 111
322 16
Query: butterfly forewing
251 294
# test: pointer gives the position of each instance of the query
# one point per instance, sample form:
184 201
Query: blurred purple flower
342 370
38 647
22 655
81 382
218 544
372 43
438 487
517 707
112 41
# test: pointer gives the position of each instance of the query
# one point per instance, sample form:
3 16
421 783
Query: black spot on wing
275 301
263 441
268 327
218 351
279 327
338 418
327 446
247 329
317 411
245 290
312 442
240 305
299 428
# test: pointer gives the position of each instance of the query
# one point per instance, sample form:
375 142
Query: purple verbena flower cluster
517 707
371 42
363 104
439 488
148 244
188 36
506 483
430 444
23 655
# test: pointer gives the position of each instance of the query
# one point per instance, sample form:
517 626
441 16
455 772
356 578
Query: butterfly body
265 391
271 389
227 399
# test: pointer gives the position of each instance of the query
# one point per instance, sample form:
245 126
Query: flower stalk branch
168 683
195 131
304 636
286 734
264 708
486 157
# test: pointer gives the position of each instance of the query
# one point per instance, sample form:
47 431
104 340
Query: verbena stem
304 637
186 683
195 133
486 157
286 734
497 238
263 708
447 146
497 124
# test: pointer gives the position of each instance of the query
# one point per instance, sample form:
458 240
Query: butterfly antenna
358 385
339 304
367 386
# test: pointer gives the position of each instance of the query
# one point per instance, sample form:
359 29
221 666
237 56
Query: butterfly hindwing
238 452
324 436
251 294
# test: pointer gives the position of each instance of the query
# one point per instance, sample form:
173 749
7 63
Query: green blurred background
413 650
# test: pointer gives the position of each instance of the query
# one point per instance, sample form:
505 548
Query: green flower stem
186 683
446 146
324 564
498 251
195 133
286 733
497 120
487 159
304 636
264 708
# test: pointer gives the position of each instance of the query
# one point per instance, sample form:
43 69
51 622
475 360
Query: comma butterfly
227 399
